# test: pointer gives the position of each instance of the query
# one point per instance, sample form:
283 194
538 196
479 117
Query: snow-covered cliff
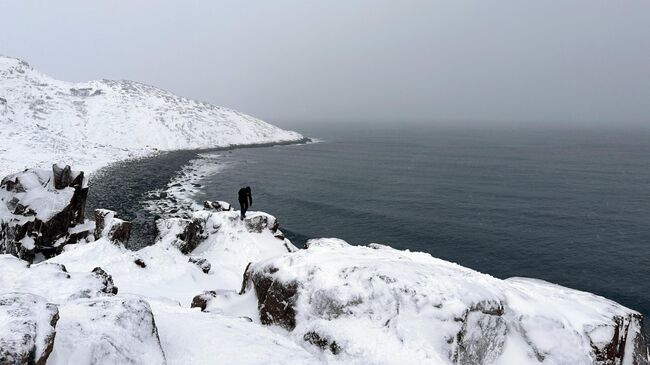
90 124
218 290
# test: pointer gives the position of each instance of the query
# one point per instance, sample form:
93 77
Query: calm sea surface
570 207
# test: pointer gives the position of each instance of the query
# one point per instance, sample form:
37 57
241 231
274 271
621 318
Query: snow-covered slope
331 303
90 124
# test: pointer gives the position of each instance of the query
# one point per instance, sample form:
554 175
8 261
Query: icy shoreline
145 188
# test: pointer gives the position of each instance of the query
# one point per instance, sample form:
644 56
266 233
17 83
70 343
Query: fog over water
560 61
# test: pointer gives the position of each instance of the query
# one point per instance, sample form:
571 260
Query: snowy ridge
331 303
91 124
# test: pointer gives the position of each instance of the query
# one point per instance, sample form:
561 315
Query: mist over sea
568 206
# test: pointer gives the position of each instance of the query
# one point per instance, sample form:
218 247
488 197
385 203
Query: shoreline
131 187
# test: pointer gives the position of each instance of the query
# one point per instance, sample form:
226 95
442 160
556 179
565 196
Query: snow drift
90 124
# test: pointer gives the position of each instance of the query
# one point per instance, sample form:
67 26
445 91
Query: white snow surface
91 124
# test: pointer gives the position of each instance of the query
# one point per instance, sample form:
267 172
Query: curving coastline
124 186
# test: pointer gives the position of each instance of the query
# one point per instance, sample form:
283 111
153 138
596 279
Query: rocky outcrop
187 233
41 211
612 344
275 299
52 281
258 222
203 264
27 329
217 206
323 293
322 342
213 300
108 225
202 300
108 330
106 280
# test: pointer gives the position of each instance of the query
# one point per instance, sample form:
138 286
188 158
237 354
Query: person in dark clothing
245 200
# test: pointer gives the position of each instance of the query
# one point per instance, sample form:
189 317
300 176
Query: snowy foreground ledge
329 303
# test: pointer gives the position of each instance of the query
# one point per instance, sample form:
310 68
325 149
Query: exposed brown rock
201 300
275 299
115 229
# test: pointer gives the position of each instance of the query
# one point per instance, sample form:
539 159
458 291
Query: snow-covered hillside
90 124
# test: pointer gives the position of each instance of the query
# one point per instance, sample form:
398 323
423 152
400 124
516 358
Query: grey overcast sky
522 61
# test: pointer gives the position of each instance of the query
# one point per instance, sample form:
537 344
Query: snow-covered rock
109 226
41 211
387 306
265 302
203 264
107 330
91 124
27 325
217 206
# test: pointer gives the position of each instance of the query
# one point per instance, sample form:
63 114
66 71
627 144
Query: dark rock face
190 232
107 281
275 300
32 322
44 206
323 342
115 229
624 334
203 264
140 263
217 206
202 300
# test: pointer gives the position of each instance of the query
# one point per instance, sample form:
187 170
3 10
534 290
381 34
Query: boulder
27 328
258 222
217 206
203 264
106 280
275 298
52 280
140 263
109 226
108 330
39 210
202 300
323 342
184 234
214 300
426 309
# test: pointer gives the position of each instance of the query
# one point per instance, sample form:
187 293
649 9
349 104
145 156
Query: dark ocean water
568 206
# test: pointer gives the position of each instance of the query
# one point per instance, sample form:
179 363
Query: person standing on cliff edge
245 200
